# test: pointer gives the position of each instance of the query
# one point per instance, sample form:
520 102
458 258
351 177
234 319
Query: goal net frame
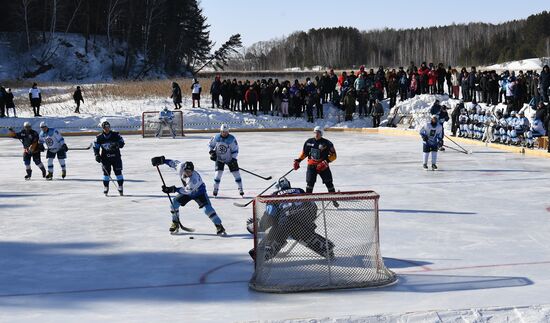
149 125
352 261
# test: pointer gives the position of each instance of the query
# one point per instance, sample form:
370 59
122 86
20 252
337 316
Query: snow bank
531 64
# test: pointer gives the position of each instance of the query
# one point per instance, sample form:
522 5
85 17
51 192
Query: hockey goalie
166 119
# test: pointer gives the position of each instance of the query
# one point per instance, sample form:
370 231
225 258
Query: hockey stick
270 186
454 142
170 198
82 148
251 173
455 149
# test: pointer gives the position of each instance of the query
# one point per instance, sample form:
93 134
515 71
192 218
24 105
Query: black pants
114 164
375 121
35 103
311 178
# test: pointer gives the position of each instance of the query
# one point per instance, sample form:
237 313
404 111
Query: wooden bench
542 142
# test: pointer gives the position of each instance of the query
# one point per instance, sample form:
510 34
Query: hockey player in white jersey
432 135
193 189
224 150
463 124
55 146
166 119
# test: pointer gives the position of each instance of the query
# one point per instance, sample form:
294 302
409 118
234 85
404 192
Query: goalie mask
283 183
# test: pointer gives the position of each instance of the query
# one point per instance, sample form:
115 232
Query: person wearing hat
224 150
432 135
176 95
319 153
55 146
31 148
107 147
35 96
77 97
8 99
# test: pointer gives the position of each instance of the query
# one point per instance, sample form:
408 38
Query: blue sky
265 20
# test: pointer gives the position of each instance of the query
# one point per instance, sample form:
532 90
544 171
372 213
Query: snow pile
531 64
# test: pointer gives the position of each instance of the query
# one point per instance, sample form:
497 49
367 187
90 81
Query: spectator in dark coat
176 95
2 102
454 117
544 83
377 113
8 101
77 97
215 91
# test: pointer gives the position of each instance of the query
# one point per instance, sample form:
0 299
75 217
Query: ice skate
215 192
241 192
174 227
63 174
120 191
28 176
425 166
49 177
43 172
105 190
434 167
220 230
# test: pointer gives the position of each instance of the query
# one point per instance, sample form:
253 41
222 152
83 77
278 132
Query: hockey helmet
224 128
105 124
26 124
513 114
43 124
165 108
188 166
318 129
283 183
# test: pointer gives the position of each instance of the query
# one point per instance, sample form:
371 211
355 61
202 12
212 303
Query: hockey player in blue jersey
193 189
287 219
432 135
107 147
55 146
224 150
166 119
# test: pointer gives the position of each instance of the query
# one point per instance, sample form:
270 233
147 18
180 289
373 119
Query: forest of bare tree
342 47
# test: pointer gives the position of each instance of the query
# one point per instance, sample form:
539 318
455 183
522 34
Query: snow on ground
468 242
125 114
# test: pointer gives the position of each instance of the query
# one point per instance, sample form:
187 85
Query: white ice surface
469 242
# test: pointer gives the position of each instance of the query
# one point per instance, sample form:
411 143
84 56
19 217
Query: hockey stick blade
82 148
186 228
243 204
254 174
252 200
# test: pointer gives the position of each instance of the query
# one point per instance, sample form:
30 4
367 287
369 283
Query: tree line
456 44
170 35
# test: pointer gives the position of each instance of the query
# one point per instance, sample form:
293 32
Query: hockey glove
65 148
98 158
322 166
297 164
425 138
157 161
168 189
213 155
41 147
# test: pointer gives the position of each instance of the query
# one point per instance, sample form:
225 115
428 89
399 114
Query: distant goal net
323 241
150 124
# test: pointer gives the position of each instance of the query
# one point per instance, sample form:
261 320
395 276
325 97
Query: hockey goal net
311 242
150 124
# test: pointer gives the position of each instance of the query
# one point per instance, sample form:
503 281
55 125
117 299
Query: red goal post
321 241
150 124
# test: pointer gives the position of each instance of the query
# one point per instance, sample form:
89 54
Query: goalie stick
184 228
251 173
270 186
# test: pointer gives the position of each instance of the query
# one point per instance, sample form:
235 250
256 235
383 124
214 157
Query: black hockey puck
191 237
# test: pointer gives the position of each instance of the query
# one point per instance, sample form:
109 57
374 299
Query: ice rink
470 241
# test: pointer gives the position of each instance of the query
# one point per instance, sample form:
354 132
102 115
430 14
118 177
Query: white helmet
165 108
318 129
224 128
26 124
43 124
